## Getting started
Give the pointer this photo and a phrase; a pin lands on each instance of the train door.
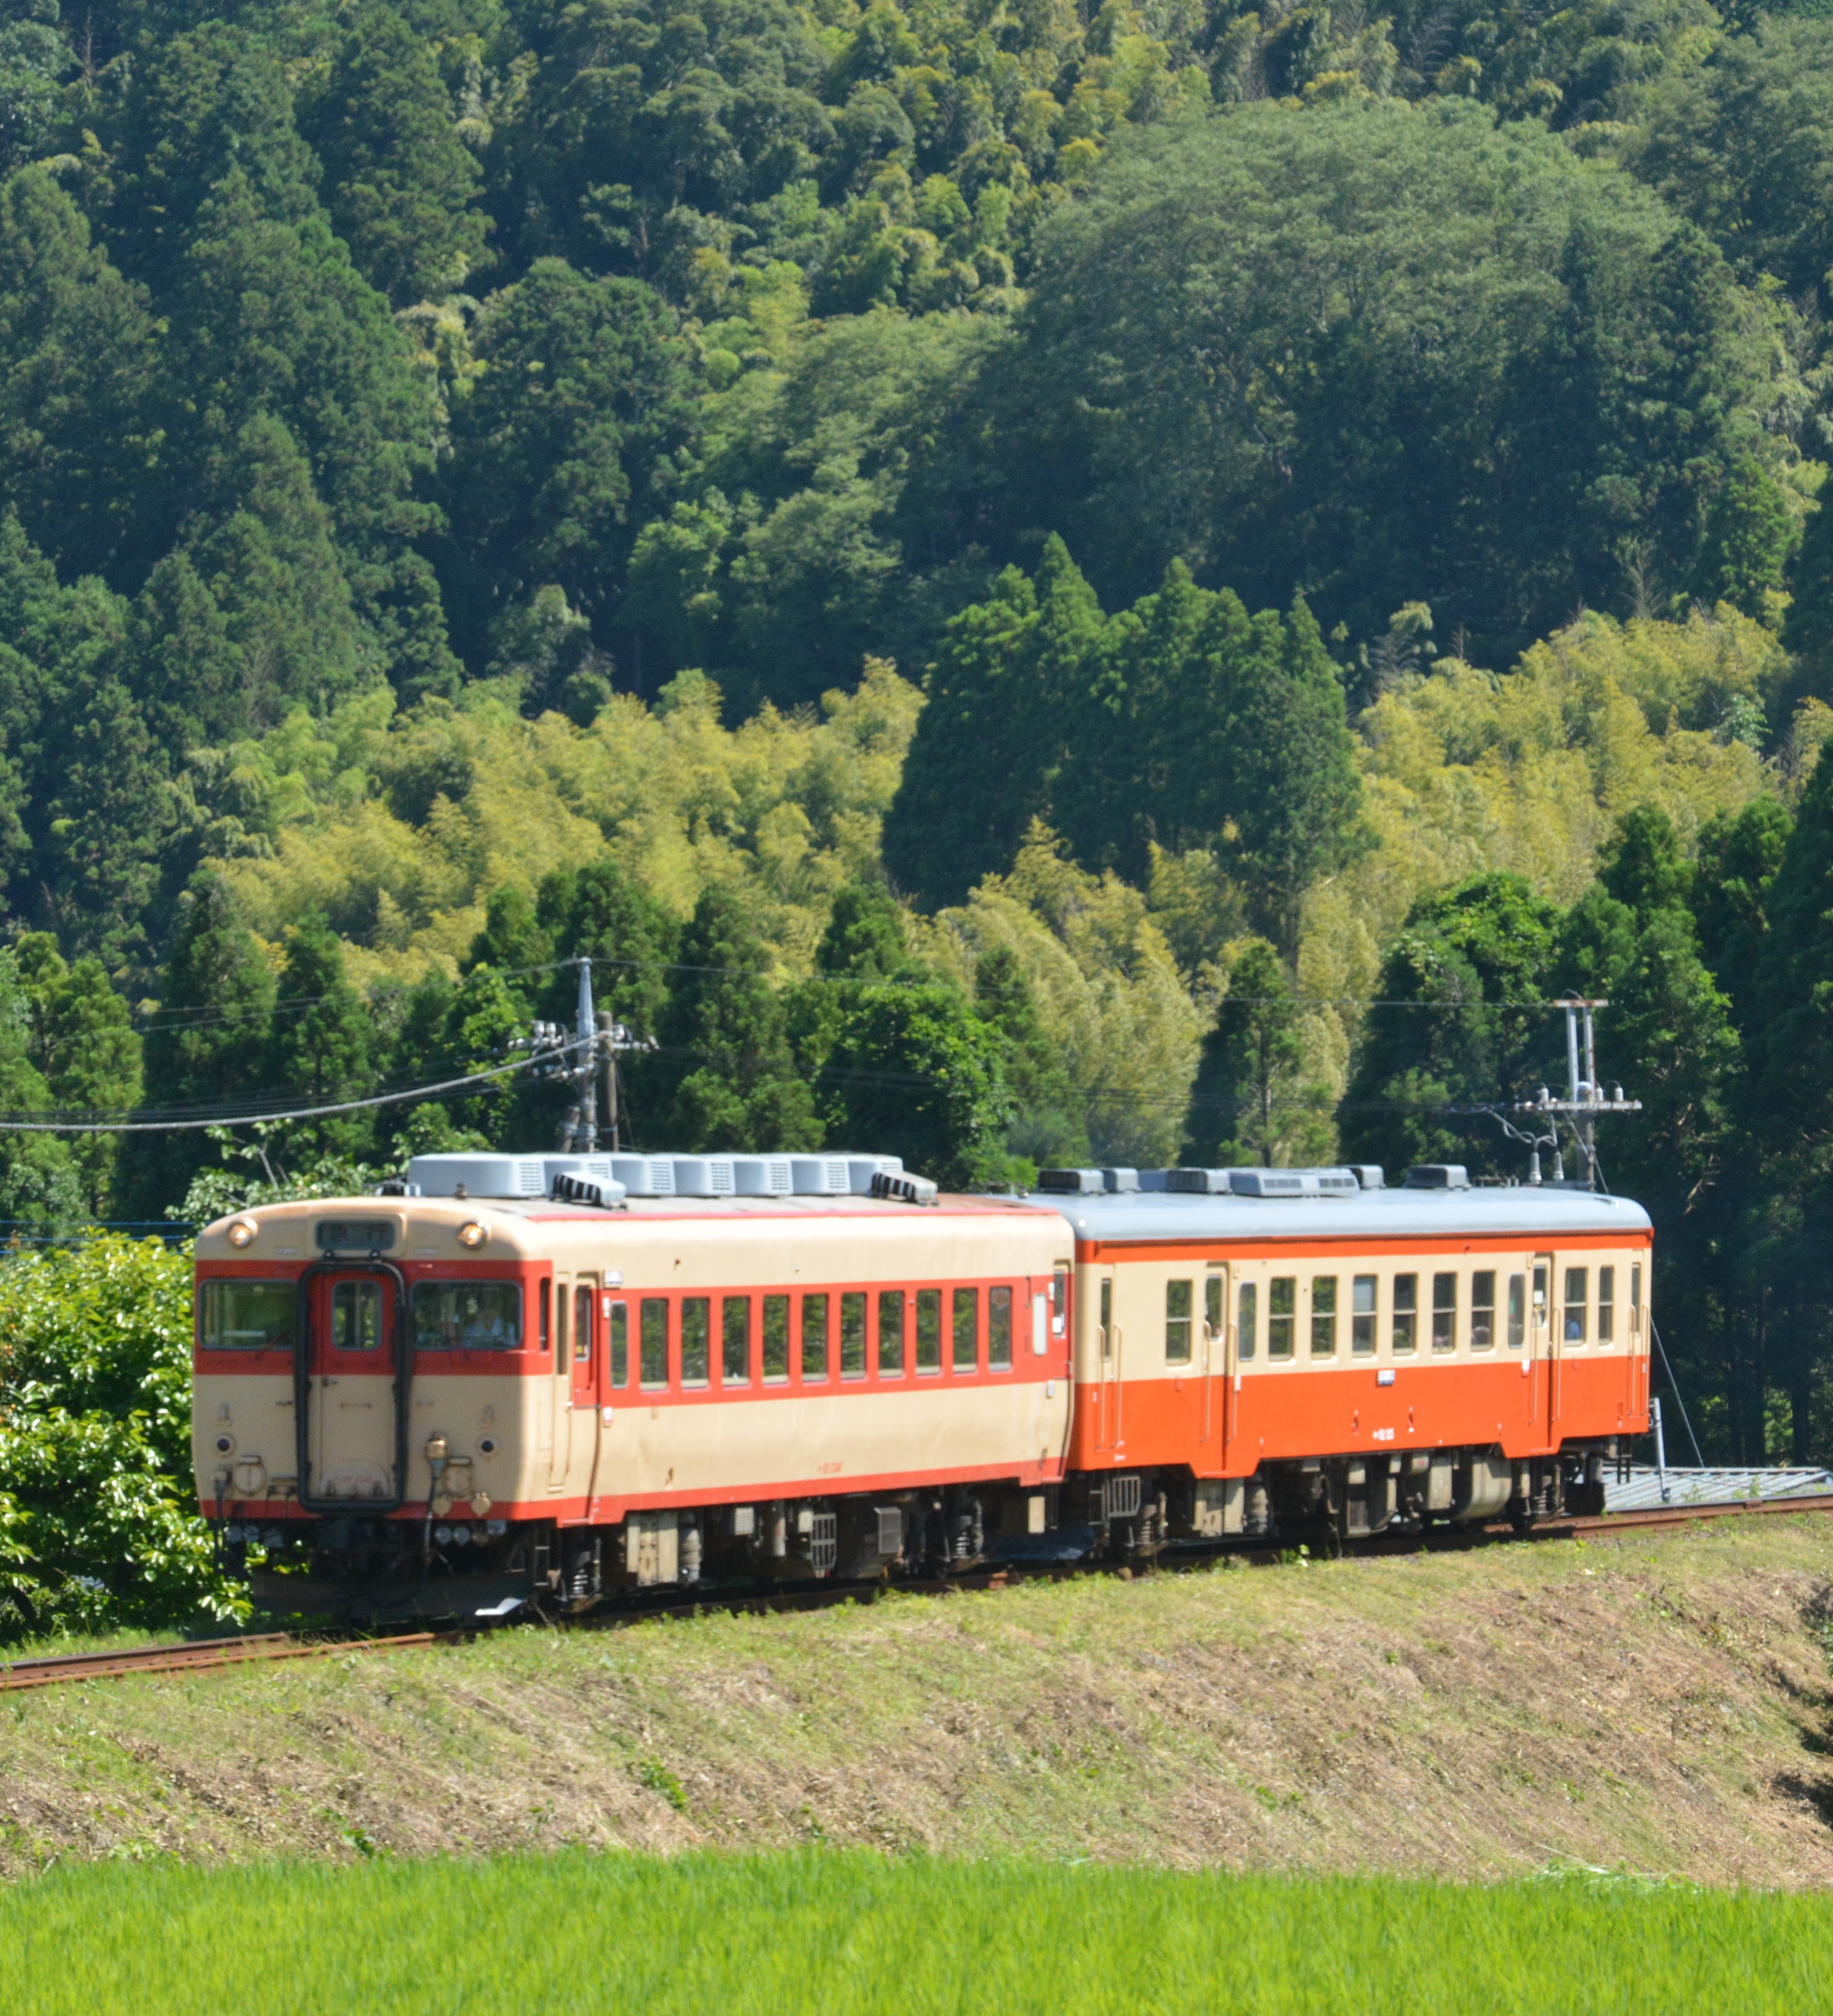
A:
(585, 1394)
(1543, 1338)
(559, 1395)
(1109, 1340)
(350, 1400)
(1210, 1431)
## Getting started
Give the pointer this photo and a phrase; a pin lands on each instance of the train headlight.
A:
(472, 1235)
(461, 1537)
(443, 1535)
(241, 1232)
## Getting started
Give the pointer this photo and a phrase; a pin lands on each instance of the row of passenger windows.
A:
(1439, 1310)
(734, 1340)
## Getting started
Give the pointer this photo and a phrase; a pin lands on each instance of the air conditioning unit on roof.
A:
(479, 1176)
(645, 1176)
(763, 1175)
(704, 1176)
(1071, 1183)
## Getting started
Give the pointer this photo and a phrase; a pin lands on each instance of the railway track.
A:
(207, 1654)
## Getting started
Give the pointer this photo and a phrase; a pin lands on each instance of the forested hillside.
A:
(1031, 582)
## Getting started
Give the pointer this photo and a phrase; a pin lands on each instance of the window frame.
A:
(811, 1298)
(1364, 1323)
(1282, 1322)
(1482, 1309)
(890, 1298)
(1179, 1323)
(647, 1342)
(1582, 1305)
(1247, 1319)
(854, 1305)
(1403, 1315)
(964, 1299)
(728, 1378)
(211, 1285)
(1606, 1324)
(617, 1342)
(999, 1326)
(1444, 1310)
(1323, 1321)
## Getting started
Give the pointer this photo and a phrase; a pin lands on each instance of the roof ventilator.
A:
(890, 1188)
(1438, 1176)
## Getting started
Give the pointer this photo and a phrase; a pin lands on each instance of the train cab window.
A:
(776, 1340)
(652, 1345)
(1606, 1304)
(1212, 1306)
(734, 1341)
(1324, 1316)
(696, 1325)
(618, 1324)
(1247, 1320)
(890, 1333)
(1282, 1303)
(1406, 1326)
(1107, 1322)
(356, 1315)
(1364, 1291)
(247, 1315)
(929, 1330)
(853, 1336)
(544, 1301)
(1444, 1313)
(965, 1355)
(814, 1339)
(1517, 1311)
(1573, 1329)
(1179, 1300)
(1482, 1309)
(467, 1316)
(999, 1329)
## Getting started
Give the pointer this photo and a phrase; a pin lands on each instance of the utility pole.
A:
(1584, 1097)
(574, 1060)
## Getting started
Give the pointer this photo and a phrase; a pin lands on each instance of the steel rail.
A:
(210, 1654)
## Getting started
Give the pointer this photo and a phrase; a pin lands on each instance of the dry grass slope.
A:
(1660, 1703)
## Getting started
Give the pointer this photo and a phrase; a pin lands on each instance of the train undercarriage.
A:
(375, 1569)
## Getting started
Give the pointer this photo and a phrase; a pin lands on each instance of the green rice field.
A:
(846, 1934)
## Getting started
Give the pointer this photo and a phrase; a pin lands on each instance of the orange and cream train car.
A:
(522, 1378)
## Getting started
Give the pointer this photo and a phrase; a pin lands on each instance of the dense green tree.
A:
(865, 937)
(725, 1070)
(1049, 1126)
(1457, 1023)
(79, 444)
(34, 59)
(85, 1047)
(1238, 352)
(557, 447)
(208, 1041)
(1735, 865)
(915, 1072)
(321, 1050)
(1256, 1099)
(601, 913)
(399, 182)
(41, 1185)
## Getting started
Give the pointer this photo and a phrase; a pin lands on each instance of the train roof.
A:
(1533, 1211)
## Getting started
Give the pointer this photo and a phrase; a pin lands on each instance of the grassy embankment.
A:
(844, 1935)
(1659, 1706)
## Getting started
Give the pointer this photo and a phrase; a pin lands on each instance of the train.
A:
(513, 1381)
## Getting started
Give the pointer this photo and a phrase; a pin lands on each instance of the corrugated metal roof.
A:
(1534, 1213)
(1643, 1492)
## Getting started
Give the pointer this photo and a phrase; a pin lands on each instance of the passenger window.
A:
(652, 1325)
(1517, 1311)
(582, 1326)
(929, 1338)
(696, 1325)
(1576, 1299)
(776, 1340)
(734, 1341)
(619, 1327)
(1483, 1310)
(1406, 1332)
(1059, 1302)
(1247, 1305)
(1363, 1292)
(1444, 1313)
(966, 1357)
(1540, 1298)
(853, 1336)
(1324, 1316)
(814, 1339)
(999, 1329)
(1282, 1303)
(1107, 1322)
(890, 1333)
(356, 1315)
(1212, 1306)
(237, 1314)
(1178, 1301)
(1606, 1304)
